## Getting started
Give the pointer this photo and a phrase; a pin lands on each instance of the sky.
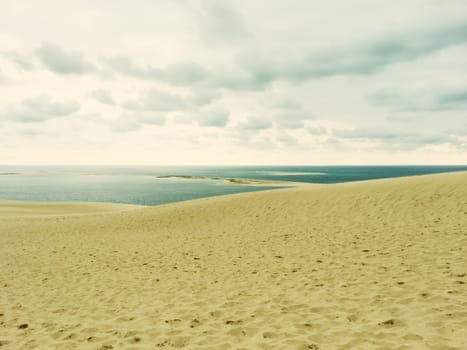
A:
(244, 82)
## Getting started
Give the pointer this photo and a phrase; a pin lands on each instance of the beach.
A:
(375, 264)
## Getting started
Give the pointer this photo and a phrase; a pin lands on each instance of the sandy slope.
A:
(370, 265)
(22, 209)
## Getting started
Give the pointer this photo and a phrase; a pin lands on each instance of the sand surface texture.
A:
(19, 210)
(370, 265)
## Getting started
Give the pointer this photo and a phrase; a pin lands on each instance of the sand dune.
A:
(369, 265)
(22, 209)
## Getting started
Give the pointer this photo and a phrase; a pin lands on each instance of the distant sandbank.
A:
(236, 181)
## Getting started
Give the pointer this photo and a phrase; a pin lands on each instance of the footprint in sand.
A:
(388, 323)
(268, 335)
(173, 321)
(194, 323)
(231, 322)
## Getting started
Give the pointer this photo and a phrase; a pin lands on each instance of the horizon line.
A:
(236, 165)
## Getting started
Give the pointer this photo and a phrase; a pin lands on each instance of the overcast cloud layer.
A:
(233, 82)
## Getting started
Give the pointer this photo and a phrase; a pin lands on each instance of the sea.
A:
(153, 185)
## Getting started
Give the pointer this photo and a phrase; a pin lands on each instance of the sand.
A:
(20, 210)
(368, 265)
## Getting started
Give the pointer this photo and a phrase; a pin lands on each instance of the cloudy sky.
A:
(233, 82)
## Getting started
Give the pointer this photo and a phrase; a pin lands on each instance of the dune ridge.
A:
(370, 265)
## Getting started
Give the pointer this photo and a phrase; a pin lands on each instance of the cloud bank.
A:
(199, 81)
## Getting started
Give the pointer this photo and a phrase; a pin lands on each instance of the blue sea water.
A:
(142, 185)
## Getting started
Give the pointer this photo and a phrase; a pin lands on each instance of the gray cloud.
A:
(217, 117)
(452, 99)
(396, 137)
(255, 123)
(285, 139)
(151, 118)
(316, 130)
(125, 124)
(60, 61)
(256, 71)
(220, 23)
(292, 119)
(365, 58)
(371, 134)
(102, 96)
(157, 100)
(434, 100)
(191, 74)
(40, 109)
(128, 122)
(286, 119)
(178, 74)
(204, 97)
(286, 104)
